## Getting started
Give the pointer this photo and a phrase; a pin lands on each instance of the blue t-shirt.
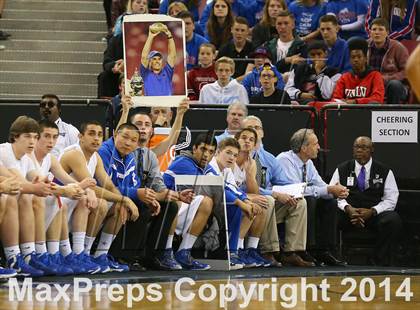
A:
(307, 18)
(346, 12)
(157, 84)
(192, 50)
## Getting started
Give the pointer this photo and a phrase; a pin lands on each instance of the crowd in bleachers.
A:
(56, 180)
(242, 29)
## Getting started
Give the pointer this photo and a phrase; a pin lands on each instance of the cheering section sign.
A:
(394, 126)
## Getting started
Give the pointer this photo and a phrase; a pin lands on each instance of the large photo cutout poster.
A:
(154, 54)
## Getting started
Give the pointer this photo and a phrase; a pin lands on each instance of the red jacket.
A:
(197, 78)
(367, 88)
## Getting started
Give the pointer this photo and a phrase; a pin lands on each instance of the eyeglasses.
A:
(44, 104)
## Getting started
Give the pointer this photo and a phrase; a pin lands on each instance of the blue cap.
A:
(153, 54)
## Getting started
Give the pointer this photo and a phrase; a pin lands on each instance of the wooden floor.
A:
(264, 300)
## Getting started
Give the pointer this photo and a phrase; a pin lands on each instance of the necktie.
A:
(260, 173)
(304, 172)
(361, 179)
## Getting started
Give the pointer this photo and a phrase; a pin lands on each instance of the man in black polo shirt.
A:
(239, 48)
(270, 93)
(372, 198)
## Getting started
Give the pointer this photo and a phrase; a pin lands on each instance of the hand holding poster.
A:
(154, 49)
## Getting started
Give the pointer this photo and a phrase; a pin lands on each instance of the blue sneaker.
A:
(106, 260)
(184, 258)
(6, 273)
(248, 261)
(166, 261)
(255, 254)
(43, 263)
(235, 261)
(90, 266)
(22, 268)
(71, 261)
(57, 261)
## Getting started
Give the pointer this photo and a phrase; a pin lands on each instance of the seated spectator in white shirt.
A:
(224, 90)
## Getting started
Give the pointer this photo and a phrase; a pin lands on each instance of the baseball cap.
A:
(261, 52)
(153, 54)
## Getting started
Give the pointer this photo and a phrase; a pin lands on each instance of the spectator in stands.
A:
(236, 112)
(190, 5)
(362, 85)
(193, 41)
(118, 7)
(400, 15)
(165, 137)
(113, 112)
(307, 14)
(225, 90)
(288, 209)
(413, 72)
(50, 108)
(266, 30)
(239, 48)
(350, 15)
(270, 94)
(297, 167)
(133, 7)
(389, 57)
(287, 51)
(244, 8)
(175, 8)
(113, 65)
(314, 81)
(204, 73)
(371, 201)
(338, 52)
(1, 7)
(156, 75)
(219, 25)
(251, 81)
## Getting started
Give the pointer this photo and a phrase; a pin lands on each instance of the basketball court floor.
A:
(351, 287)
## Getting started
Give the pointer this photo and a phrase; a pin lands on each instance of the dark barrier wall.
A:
(279, 122)
(344, 125)
(71, 113)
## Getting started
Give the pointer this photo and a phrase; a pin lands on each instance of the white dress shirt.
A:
(391, 193)
(68, 135)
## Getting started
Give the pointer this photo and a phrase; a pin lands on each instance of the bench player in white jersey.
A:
(9, 187)
(18, 227)
(82, 161)
(49, 208)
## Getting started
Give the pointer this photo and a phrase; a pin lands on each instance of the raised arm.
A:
(162, 147)
(146, 48)
(171, 48)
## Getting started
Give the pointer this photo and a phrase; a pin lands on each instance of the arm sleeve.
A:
(358, 24)
(341, 203)
(327, 84)
(243, 95)
(290, 87)
(339, 89)
(400, 60)
(317, 187)
(390, 198)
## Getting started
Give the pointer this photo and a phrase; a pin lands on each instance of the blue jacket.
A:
(186, 165)
(399, 28)
(252, 84)
(339, 57)
(122, 171)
